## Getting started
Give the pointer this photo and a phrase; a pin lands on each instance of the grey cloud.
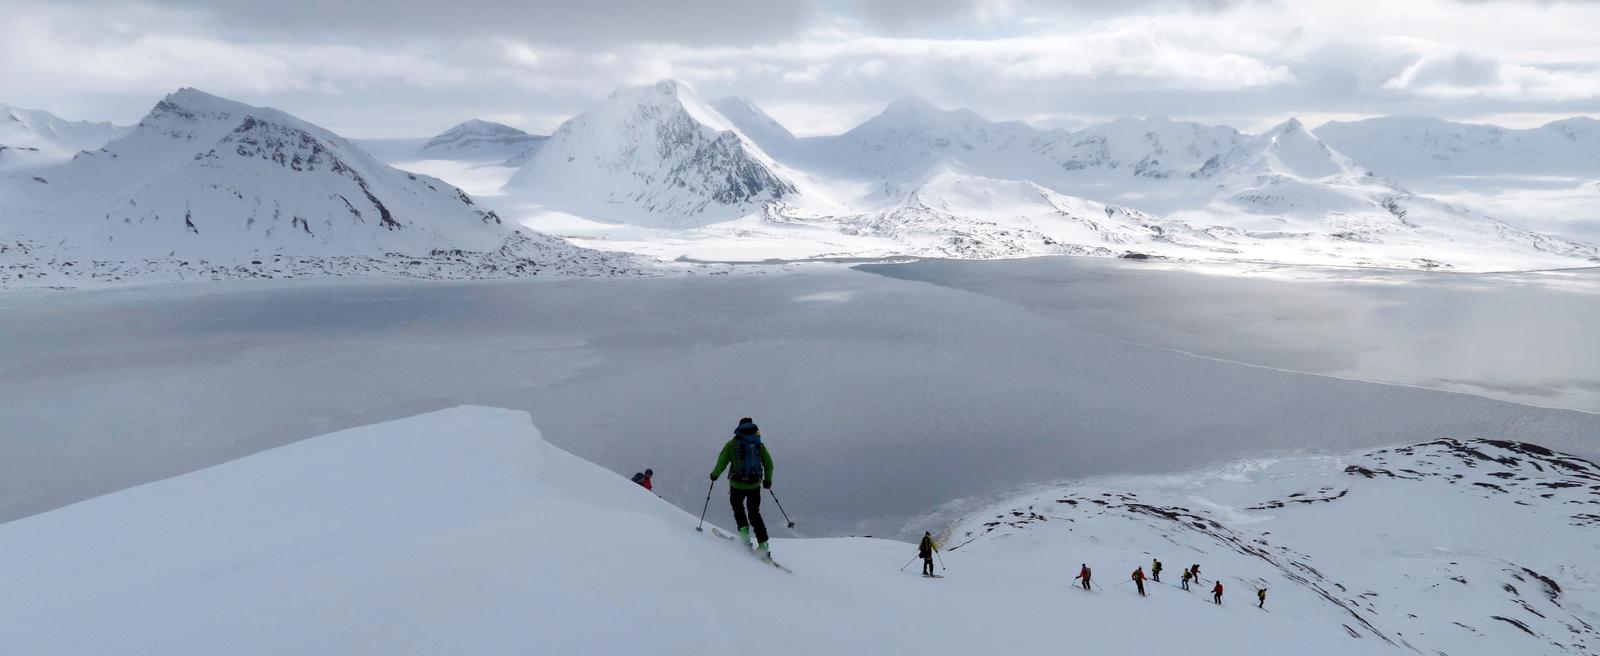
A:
(566, 22)
(901, 15)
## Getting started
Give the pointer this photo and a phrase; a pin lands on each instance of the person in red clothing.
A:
(643, 479)
(1084, 573)
(1138, 580)
(1216, 593)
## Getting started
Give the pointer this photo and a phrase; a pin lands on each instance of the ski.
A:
(765, 559)
(933, 576)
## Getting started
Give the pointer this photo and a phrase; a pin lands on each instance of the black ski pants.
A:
(927, 565)
(747, 510)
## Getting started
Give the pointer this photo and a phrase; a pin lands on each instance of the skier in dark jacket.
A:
(1261, 598)
(751, 470)
(925, 549)
(1084, 573)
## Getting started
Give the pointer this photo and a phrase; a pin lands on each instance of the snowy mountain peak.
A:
(1292, 150)
(477, 139)
(917, 113)
(911, 105)
(195, 106)
(657, 154)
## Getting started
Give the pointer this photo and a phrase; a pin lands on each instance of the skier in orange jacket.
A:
(1138, 580)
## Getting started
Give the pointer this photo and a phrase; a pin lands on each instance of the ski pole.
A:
(706, 507)
(941, 560)
(780, 507)
(908, 564)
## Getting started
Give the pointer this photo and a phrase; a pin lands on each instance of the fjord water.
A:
(882, 397)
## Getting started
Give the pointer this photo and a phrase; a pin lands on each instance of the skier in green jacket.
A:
(751, 470)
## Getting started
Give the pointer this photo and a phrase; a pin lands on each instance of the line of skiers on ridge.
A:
(751, 471)
(1190, 573)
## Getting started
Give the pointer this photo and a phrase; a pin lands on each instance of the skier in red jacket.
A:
(1084, 573)
(1216, 593)
(643, 479)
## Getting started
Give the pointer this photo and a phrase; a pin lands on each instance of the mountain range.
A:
(206, 178)
(217, 188)
(920, 180)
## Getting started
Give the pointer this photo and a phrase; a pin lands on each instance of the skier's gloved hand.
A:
(766, 484)
(713, 477)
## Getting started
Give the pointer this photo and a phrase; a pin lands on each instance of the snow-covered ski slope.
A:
(1450, 547)
(462, 531)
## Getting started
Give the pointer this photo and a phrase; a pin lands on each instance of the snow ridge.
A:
(1413, 146)
(31, 138)
(1419, 574)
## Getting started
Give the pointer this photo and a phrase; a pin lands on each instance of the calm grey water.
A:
(880, 397)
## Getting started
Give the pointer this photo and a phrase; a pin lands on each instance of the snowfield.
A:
(1446, 547)
(462, 531)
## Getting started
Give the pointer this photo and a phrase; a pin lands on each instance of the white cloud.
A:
(826, 64)
(1462, 75)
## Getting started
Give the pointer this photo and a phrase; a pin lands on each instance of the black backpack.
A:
(639, 477)
(746, 459)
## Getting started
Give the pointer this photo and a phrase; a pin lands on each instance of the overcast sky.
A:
(415, 67)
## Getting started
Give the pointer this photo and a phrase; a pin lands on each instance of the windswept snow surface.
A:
(462, 531)
(1447, 547)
